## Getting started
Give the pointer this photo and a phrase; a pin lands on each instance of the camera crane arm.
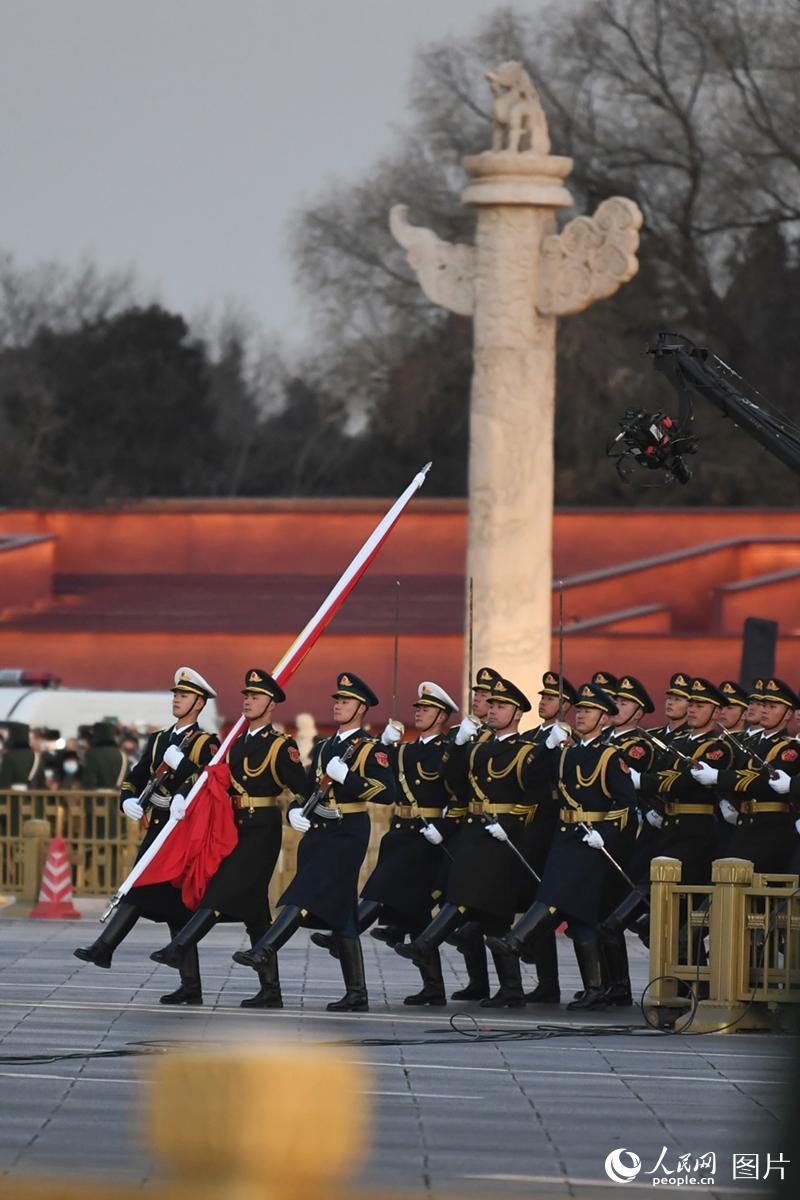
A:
(691, 368)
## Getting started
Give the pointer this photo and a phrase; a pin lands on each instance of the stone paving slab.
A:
(451, 1115)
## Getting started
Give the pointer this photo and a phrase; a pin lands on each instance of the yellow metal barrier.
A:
(732, 947)
(102, 842)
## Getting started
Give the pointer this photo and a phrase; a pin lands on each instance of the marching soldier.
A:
(733, 727)
(483, 883)
(555, 699)
(598, 801)
(263, 765)
(676, 707)
(468, 938)
(763, 831)
(733, 713)
(690, 825)
(184, 749)
(401, 888)
(348, 770)
(625, 732)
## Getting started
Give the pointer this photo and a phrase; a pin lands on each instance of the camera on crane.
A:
(651, 442)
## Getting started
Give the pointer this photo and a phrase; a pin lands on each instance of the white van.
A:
(66, 709)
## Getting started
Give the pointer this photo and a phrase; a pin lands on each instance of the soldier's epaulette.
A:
(197, 745)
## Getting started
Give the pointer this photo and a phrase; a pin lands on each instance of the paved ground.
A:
(495, 1118)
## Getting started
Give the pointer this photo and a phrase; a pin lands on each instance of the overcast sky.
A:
(177, 136)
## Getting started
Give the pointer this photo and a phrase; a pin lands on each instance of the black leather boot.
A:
(474, 952)
(624, 916)
(618, 980)
(510, 993)
(587, 952)
(114, 931)
(545, 956)
(511, 943)
(269, 994)
(432, 992)
(191, 990)
(177, 952)
(276, 936)
(367, 914)
(421, 949)
(352, 960)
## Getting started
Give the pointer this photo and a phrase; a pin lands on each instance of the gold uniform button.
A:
(416, 781)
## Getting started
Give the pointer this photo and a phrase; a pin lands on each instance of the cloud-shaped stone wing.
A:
(445, 270)
(591, 258)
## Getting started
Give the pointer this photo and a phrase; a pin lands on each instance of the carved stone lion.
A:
(519, 120)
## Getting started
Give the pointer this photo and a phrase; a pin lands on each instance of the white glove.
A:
(729, 813)
(636, 778)
(173, 757)
(555, 737)
(132, 809)
(432, 835)
(298, 821)
(391, 735)
(336, 769)
(797, 824)
(593, 839)
(469, 728)
(655, 819)
(781, 782)
(497, 831)
(705, 774)
(177, 808)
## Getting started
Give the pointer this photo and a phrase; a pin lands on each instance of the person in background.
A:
(22, 768)
(106, 764)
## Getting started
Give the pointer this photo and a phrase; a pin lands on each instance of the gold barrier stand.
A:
(242, 1122)
(729, 953)
(665, 875)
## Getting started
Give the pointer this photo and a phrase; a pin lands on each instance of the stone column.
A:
(516, 280)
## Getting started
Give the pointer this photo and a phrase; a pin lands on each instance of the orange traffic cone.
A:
(55, 894)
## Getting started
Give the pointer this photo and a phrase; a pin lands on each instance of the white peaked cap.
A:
(431, 693)
(189, 680)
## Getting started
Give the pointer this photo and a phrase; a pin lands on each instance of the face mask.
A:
(70, 767)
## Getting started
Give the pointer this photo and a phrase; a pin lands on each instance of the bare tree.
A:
(58, 297)
(690, 108)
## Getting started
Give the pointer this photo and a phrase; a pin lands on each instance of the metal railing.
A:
(102, 842)
(724, 956)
